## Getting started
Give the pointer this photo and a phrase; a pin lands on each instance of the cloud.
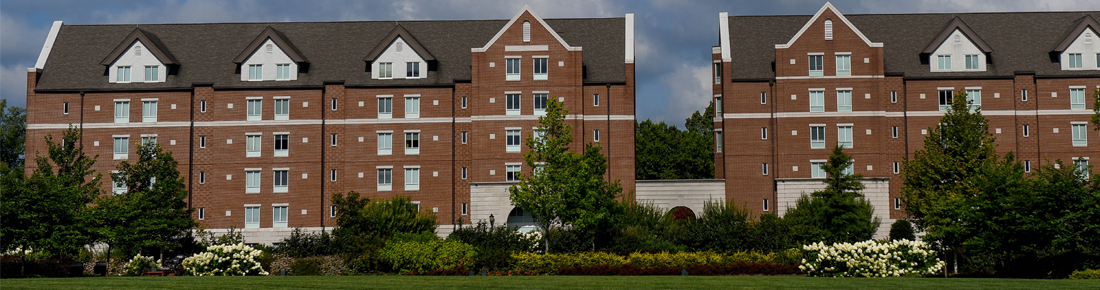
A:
(689, 91)
(13, 84)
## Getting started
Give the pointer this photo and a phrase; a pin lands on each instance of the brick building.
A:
(267, 120)
(792, 87)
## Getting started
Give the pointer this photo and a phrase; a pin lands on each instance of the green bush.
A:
(1085, 274)
(302, 244)
(902, 229)
(310, 266)
(495, 245)
(551, 263)
(438, 254)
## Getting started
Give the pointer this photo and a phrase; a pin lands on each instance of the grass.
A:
(539, 282)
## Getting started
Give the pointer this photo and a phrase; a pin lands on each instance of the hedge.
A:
(552, 263)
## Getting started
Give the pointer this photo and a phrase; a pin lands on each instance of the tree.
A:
(838, 213)
(663, 151)
(381, 219)
(47, 212)
(152, 214)
(13, 135)
(565, 187)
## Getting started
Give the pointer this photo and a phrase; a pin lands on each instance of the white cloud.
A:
(689, 91)
(13, 84)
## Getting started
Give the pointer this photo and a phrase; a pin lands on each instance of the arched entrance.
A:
(680, 213)
(522, 219)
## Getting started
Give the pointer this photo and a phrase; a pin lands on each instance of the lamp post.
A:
(492, 220)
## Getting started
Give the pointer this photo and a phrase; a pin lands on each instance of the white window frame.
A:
(595, 100)
(412, 178)
(253, 144)
(844, 65)
(897, 167)
(465, 136)
(718, 106)
(282, 108)
(412, 106)
(767, 206)
(894, 97)
(817, 101)
(122, 74)
(817, 170)
(463, 102)
(202, 213)
(149, 111)
(332, 211)
(1080, 134)
(385, 179)
(897, 203)
(412, 142)
(1077, 98)
(335, 103)
(122, 111)
(717, 73)
(281, 152)
(1027, 165)
(332, 175)
(540, 62)
(974, 98)
(511, 172)
(1026, 130)
(512, 104)
(844, 101)
(465, 173)
(334, 139)
(117, 187)
(596, 135)
(282, 72)
(202, 177)
(817, 137)
(385, 143)
(512, 140)
(844, 136)
(1081, 166)
(202, 106)
(385, 70)
(252, 181)
(816, 65)
(946, 98)
(512, 68)
(256, 72)
(412, 69)
(764, 168)
(202, 141)
(1075, 60)
(717, 141)
(121, 147)
(973, 62)
(284, 175)
(465, 208)
(538, 102)
(943, 62)
(894, 131)
(279, 216)
(385, 107)
(763, 133)
(252, 217)
(763, 98)
(1023, 95)
(152, 73)
(255, 108)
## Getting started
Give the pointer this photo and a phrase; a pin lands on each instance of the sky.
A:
(673, 37)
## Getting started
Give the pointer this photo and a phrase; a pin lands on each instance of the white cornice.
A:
(513, 21)
(828, 6)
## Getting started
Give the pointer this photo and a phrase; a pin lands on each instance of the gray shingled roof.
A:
(335, 51)
(1020, 41)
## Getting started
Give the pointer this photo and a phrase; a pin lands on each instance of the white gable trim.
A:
(509, 25)
(629, 38)
(48, 46)
(724, 35)
(838, 15)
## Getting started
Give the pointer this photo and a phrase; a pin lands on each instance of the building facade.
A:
(268, 120)
(792, 87)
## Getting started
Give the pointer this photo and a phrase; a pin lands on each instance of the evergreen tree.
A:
(838, 213)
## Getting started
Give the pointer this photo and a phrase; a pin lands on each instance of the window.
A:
(817, 101)
(974, 98)
(1027, 165)
(279, 217)
(282, 180)
(148, 140)
(511, 173)
(1023, 95)
(464, 173)
(512, 104)
(717, 73)
(894, 96)
(252, 181)
(123, 74)
(766, 205)
(255, 72)
(1074, 61)
(828, 29)
(202, 177)
(512, 65)
(1079, 135)
(412, 69)
(385, 107)
(118, 186)
(816, 170)
(202, 141)
(202, 106)
(251, 217)
(282, 109)
(540, 68)
(385, 143)
(526, 31)
(412, 143)
(332, 175)
(843, 101)
(972, 61)
(464, 136)
(817, 137)
(282, 71)
(385, 70)
(65, 108)
(763, 98)
(282, 145)
(717, 141)
(844, 65)
(718, 106)
(849, 170)
(465, 208)
(897, 167)
(894, 131)
(844, 136)
(412, 107)
(763, 133)
(596, 100)
(252, 146)
(512, 140)
(1026, 130)
(152, 73)
(944, 62)
(334, 103)
(122, 146)
(412, 178)
(332, 211)
(596, 135)
(540, 104)
(463, 102)
(1077, 99)
(897, 203)
(764, 168)
(148, 111)
(255, 109)
(815, 65)
(539, 134)
(202, 213)
(385, 179)
(334, 138)
(122, 112)
(1081, 165)
(946, 98)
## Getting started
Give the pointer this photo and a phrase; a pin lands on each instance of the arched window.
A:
(400, 47)
(526, 31)
(270, 48)
(137, 50)
(828, 29)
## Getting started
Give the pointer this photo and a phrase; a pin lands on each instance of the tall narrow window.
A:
(1026, 130)
(333, 140)
(152, 73)
(385, 143)
(385, 179)
(122, 112)
(279, 217)
(541, 68)
(1027, 165)
(202, 106)
(465, 208)
(817, 137)
(282, 181)
(332, 175)
(464, 136)
(596, 135)
(816, 65)
(767, 206)
(334, 103)
(972, 61)
(385, 70)
(255, 108)
(816, 170)
(282, 109)
(512, 140)
(202, 141)
(282, 145)
(596, 100)
(412, 69)
(512, 67)
(946, 98)
(1075, 60)
(255, 72)
(763, 133)
(282, 71)
(1023, 95)
(897, 203)
(526, 31)
(828, 29)
(202, 177)
(717, 141)
(122, 74)
(944, 62)
(817, 101)
(894, 131)
(253, 145)
(511, 104)
(893, 96)
(844, 136)
(844, 65)
(763, 98)
(464, 173)
(252, 217)
(1081, 165)
(718, 106)
(412, 178)
(974, 98)
(412, 107)
(385, 107)
(717, 73)
(897, 167)
(149, 111)
(412, 143)
(843, 101)
(122, 147)
(764, 168)
(511, 173)
(332, 211)
(540, 103)
(202, 213)
(1080, 136)
(463, 102)
(252, 181)
(118, 186)
(1077, 99)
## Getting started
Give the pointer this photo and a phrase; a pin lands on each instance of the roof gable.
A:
(1082, 24)
(828, 6)
(387, 41)
(152, 44)
(526, 9)
(276, 37)
(957, 24)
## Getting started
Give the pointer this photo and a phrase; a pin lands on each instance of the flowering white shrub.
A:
(225, 260)
(870, 259)
(139, 263)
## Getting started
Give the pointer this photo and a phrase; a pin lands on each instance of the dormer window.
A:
(385, 70)
(138, 52)
(527, 31)
(957, 49)
(828, 29)
(152, 73)
(282, 72)
(944, 62)
(270, 57)
(1075, 60)
(123, 74)
(255, 72)
(412, 69)
(399, 56)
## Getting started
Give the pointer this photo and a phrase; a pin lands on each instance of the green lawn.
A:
(542, 282)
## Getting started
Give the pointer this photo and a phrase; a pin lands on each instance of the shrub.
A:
(870, 259)
(902, 229)
(225, 260)
(423, 257)
(1085, 274)
(310, 266)
(280, 262)
(552, 263)
(302, 244)
(739, 268)
(358, 217)
(139, 263)
(495, 245)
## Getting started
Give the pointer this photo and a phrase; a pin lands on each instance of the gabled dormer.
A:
(828, 46)
(957, 49)
(140, 58)
(270, 57)
(1079, 49)
(399, 56)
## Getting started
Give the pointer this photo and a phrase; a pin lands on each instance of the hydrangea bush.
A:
(225, 260)
(870, 259)
(139, 263)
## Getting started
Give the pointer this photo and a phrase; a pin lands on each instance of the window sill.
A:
(385, 188)
(412, 115)
(412, 151)
(120, 156)
(251, 225)
(281, 153)
(540, 77)
(279, 189)
(512, 112)
(412, 187)
(252, 190)
(282, 117)
(252, 154)
(279, 225)
(254, 118)
(386, 152)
